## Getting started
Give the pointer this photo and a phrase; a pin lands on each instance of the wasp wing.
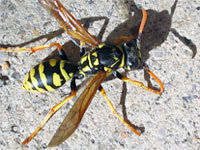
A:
(69, 23)
(73, 118)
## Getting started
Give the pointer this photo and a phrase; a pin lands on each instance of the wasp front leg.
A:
(137, 36)
(140, 84)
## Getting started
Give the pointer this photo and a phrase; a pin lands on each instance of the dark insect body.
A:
(102, 61)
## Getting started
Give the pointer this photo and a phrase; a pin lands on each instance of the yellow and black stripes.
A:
(49, 75)
(89, 62)
(52, 74)
(105, 57)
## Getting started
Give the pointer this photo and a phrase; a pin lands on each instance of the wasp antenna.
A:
(143, 22)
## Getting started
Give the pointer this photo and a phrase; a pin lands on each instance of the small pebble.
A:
(36, 32)
(14, 128)
(124, 135)
(5, 65)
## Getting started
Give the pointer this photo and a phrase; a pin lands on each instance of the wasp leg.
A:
(146, 68)
(102, 91)
(82, 48)
(142, 24)
(124, 38)
(52, 111)
(140, 84)
(33, 49)
(141, 28)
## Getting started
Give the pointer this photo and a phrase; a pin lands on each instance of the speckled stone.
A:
(170, 46)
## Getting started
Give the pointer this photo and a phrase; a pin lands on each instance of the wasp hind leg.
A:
(52, 111)
(102, 91)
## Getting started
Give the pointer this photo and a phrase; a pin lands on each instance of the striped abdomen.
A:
(49, 75)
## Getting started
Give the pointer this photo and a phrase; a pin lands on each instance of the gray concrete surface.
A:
(171, 121)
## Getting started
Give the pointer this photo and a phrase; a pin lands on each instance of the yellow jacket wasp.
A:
(102, 61)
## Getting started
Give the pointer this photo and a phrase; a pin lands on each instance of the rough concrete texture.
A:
(170, 46)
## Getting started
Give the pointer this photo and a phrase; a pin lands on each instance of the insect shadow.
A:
(156, 30)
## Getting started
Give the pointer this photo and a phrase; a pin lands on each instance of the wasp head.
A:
(132, 55)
